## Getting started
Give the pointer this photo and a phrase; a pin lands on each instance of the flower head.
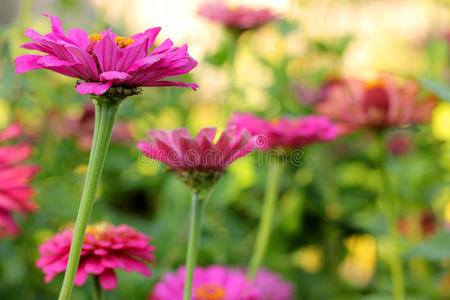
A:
(285, 132)
(198, 160)
(239, 17)
(272, 287)
(104, 60)
(381, 103)
(105, 248)
(211, 283)
(15, 177)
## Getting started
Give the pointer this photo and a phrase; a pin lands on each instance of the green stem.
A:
(198, 204)
(105, 115)
(389, 207)
(265, 225)
(97, 293)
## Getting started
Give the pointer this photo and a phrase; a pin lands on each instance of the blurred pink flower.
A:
(285, 132)
(104, 60)
(15, 177)
(105, 248)
(214, 282)
(375, 104)
(179, 150)
(272, 287)
(239, 17)
(83, 128)
(399, 143)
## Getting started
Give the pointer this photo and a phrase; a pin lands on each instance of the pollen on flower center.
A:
(95, 37)
(97, 229)
(210, 292)
(123, 42)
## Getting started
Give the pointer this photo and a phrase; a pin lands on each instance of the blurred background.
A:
(327, 221)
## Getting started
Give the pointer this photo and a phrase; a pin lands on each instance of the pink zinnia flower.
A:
(105, 248)
(239, 17)
(15, 177)
(198, 161)
(285, 132)
(104, 60)
(211, 283)
(375, 104)
(272, 287)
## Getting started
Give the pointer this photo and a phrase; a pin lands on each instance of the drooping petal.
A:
(114, 76)
(108, 279)
(96, 88)
(194, 86)
(52, 61)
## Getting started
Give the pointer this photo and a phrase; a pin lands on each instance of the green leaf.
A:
(435, 248)
(441, 90)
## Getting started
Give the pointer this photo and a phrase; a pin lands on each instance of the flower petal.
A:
(79, 37)
(108, 53)
(25, 63)
(194, 86)
(96, 88)
(114, 76)
(108, 279)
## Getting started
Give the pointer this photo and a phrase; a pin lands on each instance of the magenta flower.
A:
(239, 17)
(272, 287)
(105, 248)
(104, 60)
(285, 132)
(197, 157)
(382, 103)
(211, 283)
(15, 177)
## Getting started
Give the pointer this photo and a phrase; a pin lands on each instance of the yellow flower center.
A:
(95, 37)
(210, 292)
(274, 121)
(372, 84)
(97, 229)
(121, 41)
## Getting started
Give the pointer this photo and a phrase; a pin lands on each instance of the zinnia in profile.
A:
(104, 60)
(15, 177)
(239, 17)
(214, 282)
(105, 249)
(382, 103)
(284, 138)
(290, 133)
(198, 161)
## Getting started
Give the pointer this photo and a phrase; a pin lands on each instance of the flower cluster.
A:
(239, 17)
(104, 60)
(221, 283)
(105, 248)
(15, 177)
(381, 103)
(285, 132)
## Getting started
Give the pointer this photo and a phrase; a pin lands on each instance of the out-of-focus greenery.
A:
(327, 218)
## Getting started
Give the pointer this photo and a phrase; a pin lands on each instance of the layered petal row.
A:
(104, 60)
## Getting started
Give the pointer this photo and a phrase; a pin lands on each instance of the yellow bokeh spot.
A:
(359, 265)
(447, 212)
(440, 123)
(4, 113)
(308, 258)
(147, 166)
(243, 172)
